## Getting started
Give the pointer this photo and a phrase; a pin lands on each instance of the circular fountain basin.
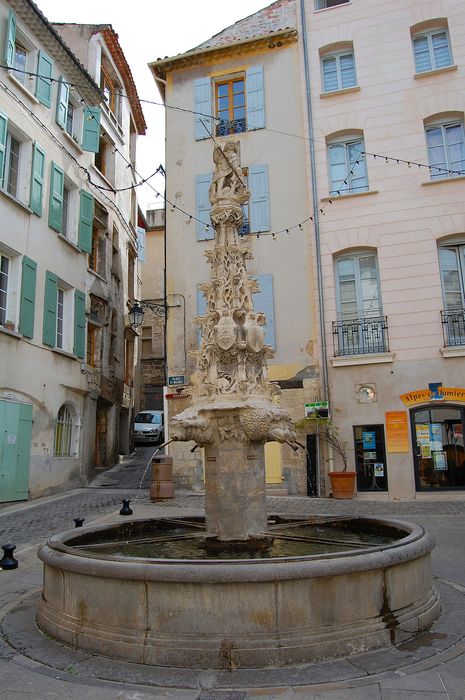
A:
(159, 592)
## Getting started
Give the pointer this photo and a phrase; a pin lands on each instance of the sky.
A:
(147, 31)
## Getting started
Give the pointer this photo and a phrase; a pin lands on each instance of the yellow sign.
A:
(424, 396)
(397, 431)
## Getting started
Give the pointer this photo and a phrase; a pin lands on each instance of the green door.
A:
(15, 450)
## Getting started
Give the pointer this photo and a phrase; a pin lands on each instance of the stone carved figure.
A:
(228, 179)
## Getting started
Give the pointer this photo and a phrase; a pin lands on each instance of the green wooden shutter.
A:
(62, 103)
(91, 130)
(86, 215)
(79, 324)
(202, 108)
(44, 84)
(202, 207)
(3, 138)
(55, 209)
(259, 204)
(28, 297)
(37, 179)
(10, 40)
(23, 451)
(50, 309)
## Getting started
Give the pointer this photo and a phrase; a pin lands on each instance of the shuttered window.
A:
(55, 210)
(202, 108)
(86, 215)
(91, 130)
(50, 309)
(202, 205)
(79, 324)
(28, 297)
(44, 83)
(37, 179)
(259, 203)
(10, 40)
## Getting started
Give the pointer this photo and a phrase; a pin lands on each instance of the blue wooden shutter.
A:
(62, 103)
(79, 324)
(91, 130)
(28, 297)
(141, 243)
(86, 216)
(55, 209)
(44, 84)
(50, 309)
(201, 311)
(263, 301)
(255, 98)
(202, 107)
(202, 207)
(3, 139)
(10, 40)
(259, 203)
(37, 179)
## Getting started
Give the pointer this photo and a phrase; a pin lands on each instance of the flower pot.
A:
(342, 484)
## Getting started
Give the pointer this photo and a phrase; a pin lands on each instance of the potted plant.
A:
(9, 325)
(342, 482)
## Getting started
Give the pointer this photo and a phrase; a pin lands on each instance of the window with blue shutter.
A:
(91, 130)
(50, 309)
(28, 297)
(79, 348)
(202, 108)
(202, 207)
(86, 216)
(10, 40)
(44, 83)
(3, 142)
(62, 103)
(263, 302)
(37, 179)
(259, 203)
(55, 209)
(201, 311)
(255, 98)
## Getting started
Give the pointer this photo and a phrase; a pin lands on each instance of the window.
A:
(104, 158)
(12, 159)
(237, 101)
(322, 4)
(452, 266)
(446, 149)
(4, 273)
(146, 341)
(230, 106)
(432, 50)
(95, 332)
(361, 327)
(60, 317)
(20, 62)
(70, 116)
(110, 87)
(97, 257)
(64, 433)
(131, 273)
(338, 71)
(347, 167)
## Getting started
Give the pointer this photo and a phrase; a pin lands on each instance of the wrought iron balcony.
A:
(233, 126)
(360, 336)
(453, 326)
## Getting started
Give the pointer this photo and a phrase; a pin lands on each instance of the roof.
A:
(58, 49)
(111, 40)
(279, 15)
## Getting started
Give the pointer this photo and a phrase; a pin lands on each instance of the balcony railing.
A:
(360, 336)
(453, 326)
(233, 126)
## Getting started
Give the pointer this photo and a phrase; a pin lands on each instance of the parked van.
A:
(149, 427)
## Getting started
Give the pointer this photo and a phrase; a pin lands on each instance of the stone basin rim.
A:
(56, 553)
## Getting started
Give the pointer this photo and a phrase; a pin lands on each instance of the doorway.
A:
(15, 450)
(438, 447)
(312, 467)
(370, 458)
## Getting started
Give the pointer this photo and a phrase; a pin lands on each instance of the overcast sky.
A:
(147, 31)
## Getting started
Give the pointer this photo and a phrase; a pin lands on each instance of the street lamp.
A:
(136, 315)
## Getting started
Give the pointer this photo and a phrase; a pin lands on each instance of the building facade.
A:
(66, 242)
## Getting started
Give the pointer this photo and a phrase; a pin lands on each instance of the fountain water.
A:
(238, 589)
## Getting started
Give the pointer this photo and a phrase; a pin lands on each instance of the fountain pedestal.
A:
(235, 490)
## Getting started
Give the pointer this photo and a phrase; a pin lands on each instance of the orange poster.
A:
(397, 431)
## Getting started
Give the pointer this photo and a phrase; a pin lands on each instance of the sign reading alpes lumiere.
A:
(435, 392)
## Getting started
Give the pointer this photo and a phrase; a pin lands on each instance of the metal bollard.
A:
(126, 510)
(8, 561)
(78, 522)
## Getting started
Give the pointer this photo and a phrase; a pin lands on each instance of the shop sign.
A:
(177, 380)
(318, 409)
(439, 393)
(397, 431)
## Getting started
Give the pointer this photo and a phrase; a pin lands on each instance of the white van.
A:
(149, 427)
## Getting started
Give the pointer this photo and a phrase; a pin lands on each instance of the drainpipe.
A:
(316, 208)
(316, 221)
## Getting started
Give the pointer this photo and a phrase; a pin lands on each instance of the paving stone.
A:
(411, 695)
(454, 686)
(367, 692)
(424, 681)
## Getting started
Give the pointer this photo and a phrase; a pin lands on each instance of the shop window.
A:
(438, 444)
(370, 458)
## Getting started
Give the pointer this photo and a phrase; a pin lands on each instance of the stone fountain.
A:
(238, 588)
